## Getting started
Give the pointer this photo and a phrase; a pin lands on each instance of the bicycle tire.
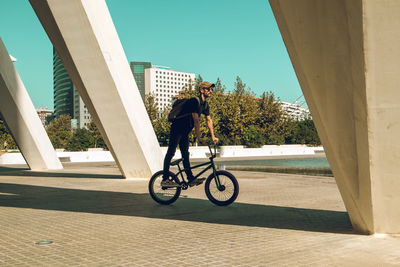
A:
(164, 196)
(230, 190)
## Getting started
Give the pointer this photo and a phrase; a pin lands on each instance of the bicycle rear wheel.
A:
(226, 192)
(163, 195)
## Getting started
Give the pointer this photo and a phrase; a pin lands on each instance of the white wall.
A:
(195, 153)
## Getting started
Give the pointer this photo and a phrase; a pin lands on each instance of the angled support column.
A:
(346, 56)
(22, 120)
(85, 38)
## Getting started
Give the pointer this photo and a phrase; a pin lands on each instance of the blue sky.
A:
(214, 38)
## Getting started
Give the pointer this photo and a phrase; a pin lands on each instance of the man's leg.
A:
(174, 138)
(184, 147)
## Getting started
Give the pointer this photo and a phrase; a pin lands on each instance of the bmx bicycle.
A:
(221, 187)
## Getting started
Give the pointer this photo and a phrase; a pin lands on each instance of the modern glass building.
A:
(137, 69)
(63, 89)
(66, 97)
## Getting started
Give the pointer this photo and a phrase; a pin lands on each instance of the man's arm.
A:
(211, 127)
(196, 126)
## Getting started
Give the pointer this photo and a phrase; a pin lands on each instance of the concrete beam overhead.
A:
(345, 54)
(20, 115)
(85, 38)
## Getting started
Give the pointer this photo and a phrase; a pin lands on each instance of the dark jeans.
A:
(179, 134)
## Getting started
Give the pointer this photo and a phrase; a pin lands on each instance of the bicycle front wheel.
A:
(225, 191)
(163, 195)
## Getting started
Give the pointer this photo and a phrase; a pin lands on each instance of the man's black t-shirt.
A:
(192, 106)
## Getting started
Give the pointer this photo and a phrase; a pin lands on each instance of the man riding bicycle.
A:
(182, 126)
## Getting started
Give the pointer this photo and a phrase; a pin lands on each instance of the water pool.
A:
(293, 162)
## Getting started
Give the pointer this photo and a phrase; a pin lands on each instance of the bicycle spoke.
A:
(223, 193)
(163, 195)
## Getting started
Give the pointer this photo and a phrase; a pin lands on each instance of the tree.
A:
(98, 140)
(49, 119)
(159, 120)
(239, 117)
(81, 140)
(197, 82)
(252, 137)
(217, 103)
(59, 131)
(6, 139)
(162, 127)
(151, 107)
(272, 120)
(236, 112)
(303, 132)
(219, 88)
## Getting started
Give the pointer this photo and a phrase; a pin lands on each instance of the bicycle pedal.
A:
(197, 182)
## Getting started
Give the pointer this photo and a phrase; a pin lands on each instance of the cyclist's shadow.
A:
(185, 209)
(256, 215)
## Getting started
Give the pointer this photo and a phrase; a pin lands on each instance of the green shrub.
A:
(252, 137)
(81, 140)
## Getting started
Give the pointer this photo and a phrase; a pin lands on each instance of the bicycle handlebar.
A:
(215, 149)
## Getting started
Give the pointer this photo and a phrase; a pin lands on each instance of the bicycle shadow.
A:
(185, 209)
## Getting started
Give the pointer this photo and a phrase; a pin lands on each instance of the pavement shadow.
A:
(186, 209)
(25, 171)
(12, 169)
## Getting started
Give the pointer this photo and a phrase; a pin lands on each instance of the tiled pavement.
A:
(95, 218)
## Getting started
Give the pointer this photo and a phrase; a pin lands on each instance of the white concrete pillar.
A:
(85, 38)
(22, 120)
(346, 56)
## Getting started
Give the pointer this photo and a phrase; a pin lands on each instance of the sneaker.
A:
(169, 183)
(194, 181)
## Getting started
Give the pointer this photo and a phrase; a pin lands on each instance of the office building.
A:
(63, 88)
(43, 113)
(67, 100)
(138, 72)
(81, 113)
(165, 83)
(295, 111)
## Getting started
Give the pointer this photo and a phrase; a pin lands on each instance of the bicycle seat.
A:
(176, 162)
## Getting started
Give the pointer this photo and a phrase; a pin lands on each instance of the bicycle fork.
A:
(216, 178)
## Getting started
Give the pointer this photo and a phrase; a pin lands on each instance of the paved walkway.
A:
(95, 218)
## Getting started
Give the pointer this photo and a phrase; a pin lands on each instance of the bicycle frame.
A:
(210, 164)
